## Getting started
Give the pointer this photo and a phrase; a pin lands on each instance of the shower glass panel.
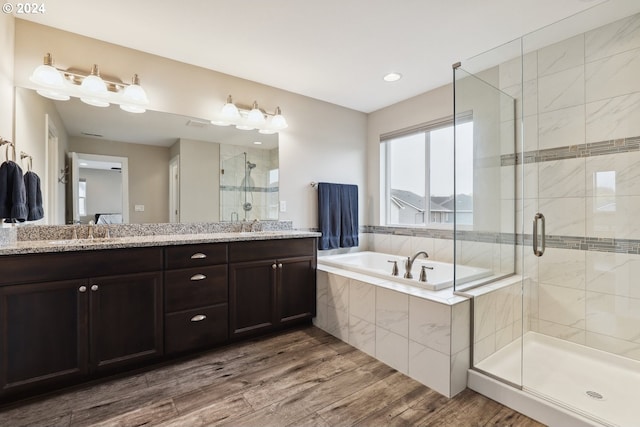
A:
(484, 180)
(485, 146)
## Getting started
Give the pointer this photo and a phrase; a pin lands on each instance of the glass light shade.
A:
(278, 122)
(135, 93)
(220, 123)
(46, 75)
(244, 127)
(53, 94)
(230, 111)
(267, 131)
(255, 117)
(94, 88)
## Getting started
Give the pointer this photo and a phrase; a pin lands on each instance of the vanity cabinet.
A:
(196, 294)
(271, 284)
(83, 320)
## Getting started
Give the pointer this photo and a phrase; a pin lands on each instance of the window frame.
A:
(426, 129)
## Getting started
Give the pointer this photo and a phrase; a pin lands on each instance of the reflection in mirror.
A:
(99, 189)
(175, 163)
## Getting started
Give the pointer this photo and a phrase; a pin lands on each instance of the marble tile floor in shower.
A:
(302, 377)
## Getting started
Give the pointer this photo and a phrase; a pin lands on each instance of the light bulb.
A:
(135, 97)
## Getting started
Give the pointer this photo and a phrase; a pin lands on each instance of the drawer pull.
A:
(198, 318)
(94, 288)
(196, 277)
(82, 288)
(274, 266)
(198, 255)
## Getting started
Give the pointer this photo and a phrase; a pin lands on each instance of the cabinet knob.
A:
(198, 255)
(82, 288)
(274, 266)
(280, 265)
(94, 287)
(198, 318)
(196, 277)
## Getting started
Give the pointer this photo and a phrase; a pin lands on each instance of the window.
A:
(417, 166)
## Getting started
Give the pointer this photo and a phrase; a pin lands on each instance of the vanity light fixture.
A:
(52, 82)
(250, 118)
(91, 88)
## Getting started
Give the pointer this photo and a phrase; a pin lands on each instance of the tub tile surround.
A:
(425, 335)
(581, 165)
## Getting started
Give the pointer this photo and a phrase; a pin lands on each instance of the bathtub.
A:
(376, 264)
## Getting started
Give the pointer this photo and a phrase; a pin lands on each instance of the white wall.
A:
(6, 76)
(323, 141)
(429, 106)
(106, 183)
(199, 181)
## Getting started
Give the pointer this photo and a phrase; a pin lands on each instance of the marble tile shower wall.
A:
(581, 167)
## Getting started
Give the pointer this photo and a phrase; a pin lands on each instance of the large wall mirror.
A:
(178, 168)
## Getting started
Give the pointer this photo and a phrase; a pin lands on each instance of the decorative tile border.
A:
(251, 189)
(623, 145)
(595, 244)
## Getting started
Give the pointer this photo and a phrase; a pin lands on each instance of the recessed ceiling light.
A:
(392, 77)
(257, 142)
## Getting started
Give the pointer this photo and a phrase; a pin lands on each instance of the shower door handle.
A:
(538, 252)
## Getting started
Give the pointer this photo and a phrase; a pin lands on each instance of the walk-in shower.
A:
(557, 116)
(249, 184)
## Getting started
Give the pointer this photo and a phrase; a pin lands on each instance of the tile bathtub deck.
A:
(302, 377)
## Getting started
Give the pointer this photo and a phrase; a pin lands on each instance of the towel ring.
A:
(23, 156)
(13, 149)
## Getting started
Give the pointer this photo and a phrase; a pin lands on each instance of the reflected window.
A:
(604, 184)
(418, 166)
(82, 197)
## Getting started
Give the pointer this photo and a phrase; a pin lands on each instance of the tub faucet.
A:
(409, 263)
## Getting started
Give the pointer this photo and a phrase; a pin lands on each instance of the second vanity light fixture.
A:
(249, 118)
(91, 88)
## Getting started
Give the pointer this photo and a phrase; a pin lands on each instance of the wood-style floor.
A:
(302, 377)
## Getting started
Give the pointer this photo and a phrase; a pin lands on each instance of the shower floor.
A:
(596, 384)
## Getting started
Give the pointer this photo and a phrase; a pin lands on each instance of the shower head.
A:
(250, 165)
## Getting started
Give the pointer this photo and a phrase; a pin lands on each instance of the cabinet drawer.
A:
(195, 287)
(47, 267)
(195, 255)
(199, 328)
(271, 249)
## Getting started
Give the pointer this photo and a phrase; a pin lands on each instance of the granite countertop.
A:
(70, 245)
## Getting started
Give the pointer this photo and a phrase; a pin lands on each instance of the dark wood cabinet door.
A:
(44, 334)
(125, 319)
(296, 289)
(252, 297)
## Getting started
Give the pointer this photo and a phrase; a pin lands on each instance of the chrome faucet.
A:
(90, 232)
(409, 263)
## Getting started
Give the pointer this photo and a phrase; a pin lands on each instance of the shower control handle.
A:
(538, 252)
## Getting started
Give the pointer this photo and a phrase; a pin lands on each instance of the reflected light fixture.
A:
(91, 88)
(392, 77)
(250, 118)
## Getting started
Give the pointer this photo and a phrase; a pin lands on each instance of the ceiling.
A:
(333, 50)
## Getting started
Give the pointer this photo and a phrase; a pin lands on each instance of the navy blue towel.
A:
(34, 196)
(13, 197)
(337, 215)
